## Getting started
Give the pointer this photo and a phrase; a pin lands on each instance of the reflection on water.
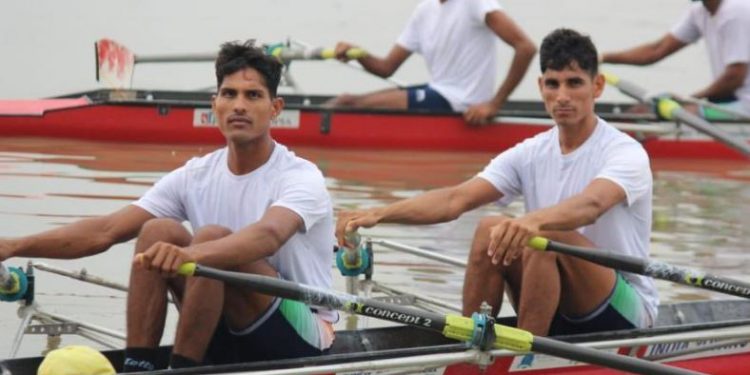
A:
(700, 214)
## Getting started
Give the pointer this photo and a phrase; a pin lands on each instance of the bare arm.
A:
(256, 241)
(381, 67)
(645, 54)
(510, 33)
(434, 206)
(82, 238)
(581, 209)
(510, 237)
(727, 83)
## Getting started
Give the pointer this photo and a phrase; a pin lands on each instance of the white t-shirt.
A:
(727, 35)
(205, 192)
(459, 48)
(537, 169)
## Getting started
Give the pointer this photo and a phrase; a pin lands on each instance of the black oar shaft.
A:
(431, 321)
(686, 276)
(655, 269)
(330, 299)
(605, 258)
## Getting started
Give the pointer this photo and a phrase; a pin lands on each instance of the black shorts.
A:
(426, 98)
(622, 309)
(273, 339)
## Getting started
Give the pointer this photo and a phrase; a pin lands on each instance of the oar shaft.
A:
(651, 268)
(619, 362)
(710, 129)
(671, 110)
(332, 300)
(284, 54)
(457, 327)
(191, 57)
(686, 276)
(605, 258)
(632, 90)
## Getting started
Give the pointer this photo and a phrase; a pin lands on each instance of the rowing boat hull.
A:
(186, 118)
(394, 347)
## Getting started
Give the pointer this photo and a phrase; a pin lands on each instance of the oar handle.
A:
(187, 269)
(605, 258)
(351, 53)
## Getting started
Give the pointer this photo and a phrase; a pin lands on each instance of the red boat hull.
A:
(165, 123)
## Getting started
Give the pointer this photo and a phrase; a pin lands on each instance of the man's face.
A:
(569, 94)
(244, 107)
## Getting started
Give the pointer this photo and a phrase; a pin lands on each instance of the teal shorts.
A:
(723, 111)
(623, 309)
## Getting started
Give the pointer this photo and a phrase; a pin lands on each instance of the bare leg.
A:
(552, 282)
(205, 300)
(483, 280)
(147, 299)
(585, 285)
(540, 291)
(201, 307)
(242, 305)
(384, 99)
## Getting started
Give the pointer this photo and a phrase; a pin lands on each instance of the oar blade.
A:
(114, 64)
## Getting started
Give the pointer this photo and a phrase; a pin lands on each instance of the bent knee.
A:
(165, 230)
(210, 233)
(533, 257)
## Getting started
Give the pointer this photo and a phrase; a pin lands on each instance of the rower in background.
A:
(725, 24)
(583, 182)
(458, 40)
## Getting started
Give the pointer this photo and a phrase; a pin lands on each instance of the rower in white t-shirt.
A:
(252, 207)
(458, 40)
(583, 183)
(725, 27)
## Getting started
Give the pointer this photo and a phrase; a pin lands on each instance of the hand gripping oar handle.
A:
(13, 284)
(452, 326)
(671, 110)
(353, 258)
(645, 267)
(7, 282)
(286, 54)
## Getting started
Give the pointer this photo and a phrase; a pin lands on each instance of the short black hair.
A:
(562, 47)
(236, 56)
